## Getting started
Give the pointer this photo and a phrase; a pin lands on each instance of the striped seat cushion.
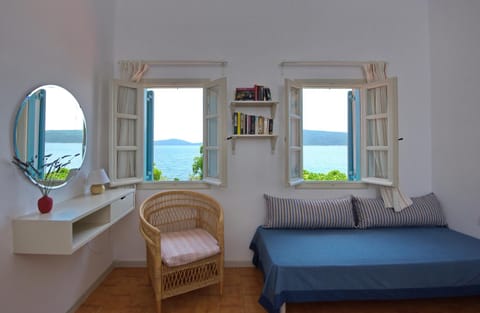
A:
(308, 214)
(187, 246)
(424, 211)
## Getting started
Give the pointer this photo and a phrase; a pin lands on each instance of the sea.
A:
(176, 161)
(60, 149)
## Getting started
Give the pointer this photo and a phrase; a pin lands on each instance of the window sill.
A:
(161, 185)
(331, 185)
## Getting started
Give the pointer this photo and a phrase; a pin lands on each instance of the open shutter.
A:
(126, 134)
(294, 133)
(29, 138)
(379, 133)
(149, 111)
(354, 131)
(214, 152)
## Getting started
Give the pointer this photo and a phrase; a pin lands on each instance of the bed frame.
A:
(364, 264)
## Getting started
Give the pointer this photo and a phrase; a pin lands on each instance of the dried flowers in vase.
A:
(47, 176)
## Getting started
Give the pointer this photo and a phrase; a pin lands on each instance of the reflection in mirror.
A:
(50, 125)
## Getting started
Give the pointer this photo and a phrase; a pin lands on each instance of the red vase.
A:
(45, 204)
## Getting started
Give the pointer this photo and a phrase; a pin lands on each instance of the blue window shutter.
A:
(354, 135)
(31, 129)
(41, 130)
(351, 167)
(358, 150)
(149, 135)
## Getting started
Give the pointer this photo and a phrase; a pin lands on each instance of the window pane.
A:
(377, 100)
(377, 133)
(126, 132)
(295, 164)
(212, 125)
(127, 99)
(126, 164)
(295, 101)
(295, 132)
(377, 164)
(212, 100)
(212, 161)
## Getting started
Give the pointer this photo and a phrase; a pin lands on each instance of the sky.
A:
(325, 109)
(62, 110)
(185, 103)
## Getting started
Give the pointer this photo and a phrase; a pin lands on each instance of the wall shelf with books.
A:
(271, 104)
(250, 121)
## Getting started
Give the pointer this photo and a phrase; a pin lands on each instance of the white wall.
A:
(254, 37)
(73, 45)
(69, 43)
(455, 68)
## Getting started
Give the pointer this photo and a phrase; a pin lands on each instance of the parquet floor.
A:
(127, 290)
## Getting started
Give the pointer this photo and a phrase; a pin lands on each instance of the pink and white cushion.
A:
(182, 247)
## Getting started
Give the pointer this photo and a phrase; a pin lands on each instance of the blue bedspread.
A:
(352, 264)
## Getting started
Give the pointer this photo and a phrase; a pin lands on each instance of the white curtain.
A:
(127, 98)
(377, 133)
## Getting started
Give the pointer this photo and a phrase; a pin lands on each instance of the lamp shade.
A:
(97, 177)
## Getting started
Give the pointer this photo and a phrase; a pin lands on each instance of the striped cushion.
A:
(425, 211)
(303, 213)
(187, 246)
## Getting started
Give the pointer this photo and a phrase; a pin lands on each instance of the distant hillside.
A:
(174, 142)
(324, 138)
(310, 137)
(64, 136)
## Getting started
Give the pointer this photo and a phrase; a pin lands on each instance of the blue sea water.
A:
(176, 161)
(60, 149)
(323, 159)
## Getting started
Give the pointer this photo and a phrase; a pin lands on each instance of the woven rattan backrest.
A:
(179, 210)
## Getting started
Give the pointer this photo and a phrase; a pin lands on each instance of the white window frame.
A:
(114, 123)
(218, 85)
(295, 144)
(391, 148)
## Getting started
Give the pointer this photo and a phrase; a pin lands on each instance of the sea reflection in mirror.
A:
(50, 124)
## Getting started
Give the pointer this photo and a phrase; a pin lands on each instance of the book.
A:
(259, 92)
(244, 94)
(260, 126)
(235, 123)
(266, 94)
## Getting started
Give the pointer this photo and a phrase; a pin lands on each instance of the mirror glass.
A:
(50, 128)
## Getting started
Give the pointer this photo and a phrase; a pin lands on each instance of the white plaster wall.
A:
(254, 37)
(56, 42)
(455, 68)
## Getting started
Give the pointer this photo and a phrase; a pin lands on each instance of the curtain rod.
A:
(326, 63)
(176, 62)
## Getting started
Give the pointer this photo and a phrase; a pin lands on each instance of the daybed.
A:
(356, 249)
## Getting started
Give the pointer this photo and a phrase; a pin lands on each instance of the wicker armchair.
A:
(179, 210)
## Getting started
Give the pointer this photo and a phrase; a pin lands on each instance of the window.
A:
(168, 131)
(342, 130)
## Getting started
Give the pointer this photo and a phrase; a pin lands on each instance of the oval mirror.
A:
(50, 129)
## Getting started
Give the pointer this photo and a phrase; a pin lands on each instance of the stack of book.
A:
(255, 93)
(248, 124)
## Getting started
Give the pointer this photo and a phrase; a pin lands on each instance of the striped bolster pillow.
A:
(308, 214)
(182, 247)
(424, 211)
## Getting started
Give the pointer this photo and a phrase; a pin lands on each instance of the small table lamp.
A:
(97, 179)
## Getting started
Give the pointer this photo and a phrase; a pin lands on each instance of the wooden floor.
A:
(127, 290)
